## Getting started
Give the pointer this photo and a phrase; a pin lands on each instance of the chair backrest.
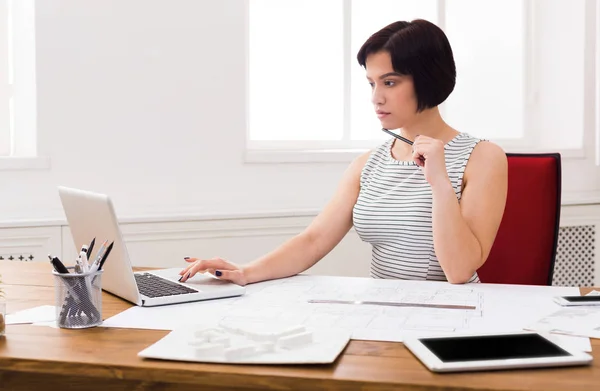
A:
(525, 247)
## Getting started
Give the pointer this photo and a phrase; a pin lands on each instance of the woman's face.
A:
(393, 94)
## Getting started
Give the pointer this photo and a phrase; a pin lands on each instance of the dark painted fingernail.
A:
(218, 273)
(186, 257)
(180, 278)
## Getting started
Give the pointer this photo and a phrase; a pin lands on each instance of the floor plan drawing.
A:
(401, 309)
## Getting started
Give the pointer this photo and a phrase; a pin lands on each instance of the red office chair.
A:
(525, 247)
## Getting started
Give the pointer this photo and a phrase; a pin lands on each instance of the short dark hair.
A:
(419, 49)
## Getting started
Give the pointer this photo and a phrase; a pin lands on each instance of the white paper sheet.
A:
(44, 313)
(498, 307)
(324, 347)
(51, 324)
(579, 321)
(593, 293)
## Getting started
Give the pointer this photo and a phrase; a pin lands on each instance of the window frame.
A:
(22, 73)
(272, 151)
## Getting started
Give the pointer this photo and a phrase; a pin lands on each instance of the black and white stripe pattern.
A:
(393, 211)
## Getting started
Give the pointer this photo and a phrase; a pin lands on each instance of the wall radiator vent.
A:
(575, 256)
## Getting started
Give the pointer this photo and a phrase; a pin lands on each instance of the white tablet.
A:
(484, 352)
(569, 301)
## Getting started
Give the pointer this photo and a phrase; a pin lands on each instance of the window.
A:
(307, 92)
(5, 81)
(17, 83)
(296, 87)
(597, 100)
(490, 67)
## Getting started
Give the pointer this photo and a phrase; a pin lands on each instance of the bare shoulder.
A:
(351, 177)
(358, 163)
(486, 159)
(361, 160)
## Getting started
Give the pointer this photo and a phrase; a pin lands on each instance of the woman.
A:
(431, 210)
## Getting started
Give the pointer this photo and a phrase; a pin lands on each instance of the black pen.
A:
(398, 136)
(421, 158)
(58, 265)
(110, 246)
(89, 250)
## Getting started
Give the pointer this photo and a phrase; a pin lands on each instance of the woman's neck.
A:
(429, 123)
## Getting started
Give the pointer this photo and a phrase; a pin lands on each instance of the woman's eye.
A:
(372, 84)
(389, 83)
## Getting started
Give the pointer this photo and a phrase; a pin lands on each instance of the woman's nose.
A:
(377, 97)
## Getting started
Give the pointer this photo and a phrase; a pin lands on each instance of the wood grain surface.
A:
(34, 357)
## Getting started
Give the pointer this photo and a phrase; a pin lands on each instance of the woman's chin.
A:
(388, 124)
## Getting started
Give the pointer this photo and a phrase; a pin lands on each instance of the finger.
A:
(184, 274)
(421, 144)
(185, 270)
(235, 276)
(192, 270)
(194, 260)
(420, 139)
(215, 263)
(204, 264)
(189, 270)
(418, 158)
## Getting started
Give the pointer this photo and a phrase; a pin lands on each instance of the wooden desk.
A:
(45, 358)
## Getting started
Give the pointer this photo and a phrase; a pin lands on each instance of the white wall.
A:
(144, 100)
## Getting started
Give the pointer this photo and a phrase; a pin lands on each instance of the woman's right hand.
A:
(222, 269)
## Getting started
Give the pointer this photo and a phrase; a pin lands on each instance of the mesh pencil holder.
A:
(78, 299)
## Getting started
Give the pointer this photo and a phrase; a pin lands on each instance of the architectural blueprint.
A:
(492, 307)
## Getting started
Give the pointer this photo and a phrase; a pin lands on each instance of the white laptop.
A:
(91, 215)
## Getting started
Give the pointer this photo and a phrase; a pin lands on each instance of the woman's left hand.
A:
(428, 153)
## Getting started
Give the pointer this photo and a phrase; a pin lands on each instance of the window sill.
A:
(347, 155)
(580, 198)
(13, 163)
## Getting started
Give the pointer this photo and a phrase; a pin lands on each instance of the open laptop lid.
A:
(91, 215)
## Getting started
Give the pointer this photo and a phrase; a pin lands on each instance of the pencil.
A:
(398, 136)
(89, 250)
(110, 246)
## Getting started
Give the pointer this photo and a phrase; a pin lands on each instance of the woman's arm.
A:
(302, 251)
(463, 234)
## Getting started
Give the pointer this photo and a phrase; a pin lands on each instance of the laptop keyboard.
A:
(151, 285)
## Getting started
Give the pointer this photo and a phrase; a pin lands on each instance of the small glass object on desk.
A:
(2, 315)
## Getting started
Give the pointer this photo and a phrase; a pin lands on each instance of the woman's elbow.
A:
(460, 276)
(458, 279)
(462, 273)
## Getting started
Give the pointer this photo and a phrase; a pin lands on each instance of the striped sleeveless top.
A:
(393, 211)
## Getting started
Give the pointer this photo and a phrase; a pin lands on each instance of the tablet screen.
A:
(492, 347)
(582, 299)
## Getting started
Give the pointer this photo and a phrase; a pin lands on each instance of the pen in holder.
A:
(78, 299)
